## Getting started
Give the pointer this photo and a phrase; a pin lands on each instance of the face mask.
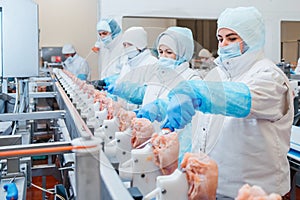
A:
(69, 60)
(230, 51)
(131, 52)
(167, 62)
(106, 40)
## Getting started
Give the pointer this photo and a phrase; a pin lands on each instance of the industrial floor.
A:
(36, 194)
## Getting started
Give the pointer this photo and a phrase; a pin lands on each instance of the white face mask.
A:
(69, 60)
(106, 40)
(167, 62)
(131, 52)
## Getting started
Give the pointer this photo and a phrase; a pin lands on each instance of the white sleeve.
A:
(98, 43)
(270, 94)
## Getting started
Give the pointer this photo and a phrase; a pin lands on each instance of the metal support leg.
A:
(87, 168)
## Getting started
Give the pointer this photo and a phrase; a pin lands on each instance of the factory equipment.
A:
(73, 152)
(173, 186)
(19, 34)
(285, 67)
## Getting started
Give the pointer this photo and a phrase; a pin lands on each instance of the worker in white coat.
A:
(247, 106)
(175, 47)
(146, 84)
(135, 50)
(74, 63)
(206, 61)
(109, 46)
(135, 55)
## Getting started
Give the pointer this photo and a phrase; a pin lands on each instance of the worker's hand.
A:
(96, 49)
(155, 110)
(180, 112)
(110, 88)
(98, 84)
(82, 76)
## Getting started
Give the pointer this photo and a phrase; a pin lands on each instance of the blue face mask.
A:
(230, 51)
(106, 40)
(167, 62)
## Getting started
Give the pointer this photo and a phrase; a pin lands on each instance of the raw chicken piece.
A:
(68, 73)
(99, 96)
(115, 108)
(108, 104)
(142, 130)
(80, 83)
(166, 151)
(202, 176)
(125, 118)
(89, 89)
(247, 192)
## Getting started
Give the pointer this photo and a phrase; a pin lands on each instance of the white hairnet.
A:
(68, 49)
(103, 26)
(204, 53)
(247, 22)
(136, 36)
(109, 25)
(184, 41)
(169, 42)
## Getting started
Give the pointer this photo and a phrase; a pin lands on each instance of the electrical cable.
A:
(45, 190)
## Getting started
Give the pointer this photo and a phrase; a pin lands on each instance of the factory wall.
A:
(274, 11)
(70, 21)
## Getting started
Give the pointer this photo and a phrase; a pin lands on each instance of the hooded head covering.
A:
(168, 41)
(247, 22)
(136, 36)
(204, 53)
(68, 49)
(180, 40)
(109, 25)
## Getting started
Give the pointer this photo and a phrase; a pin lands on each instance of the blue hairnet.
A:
(114, 26)
(247, 22)
(185, 42)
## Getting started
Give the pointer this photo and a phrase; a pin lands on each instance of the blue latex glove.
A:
(110, 89)
(12, 191)
(136, 111)
(155, 110)
(110, 81)
(82, 76)
(132, 92)
(180, 112)
(225, 98)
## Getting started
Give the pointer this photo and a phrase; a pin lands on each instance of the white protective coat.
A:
(78, 66)
(143, 59)
(110, 57)
(254, 149)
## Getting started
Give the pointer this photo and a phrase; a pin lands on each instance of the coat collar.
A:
(114, 42)
(236, 66)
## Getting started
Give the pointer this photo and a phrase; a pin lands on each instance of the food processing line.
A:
(50, 126)
(80, 160)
